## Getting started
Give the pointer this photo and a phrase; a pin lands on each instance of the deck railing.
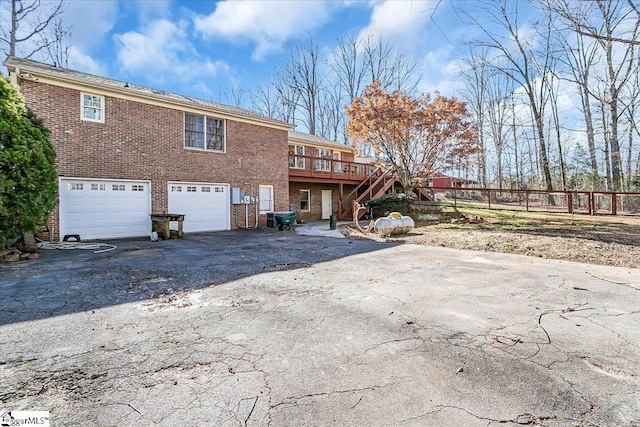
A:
(328, 168)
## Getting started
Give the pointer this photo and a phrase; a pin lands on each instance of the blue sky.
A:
(207, 49)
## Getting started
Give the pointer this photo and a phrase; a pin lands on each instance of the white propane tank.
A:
(386, 225)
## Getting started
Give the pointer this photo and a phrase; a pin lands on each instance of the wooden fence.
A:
(583, 202)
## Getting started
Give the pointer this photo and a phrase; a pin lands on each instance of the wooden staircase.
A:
(373, 186)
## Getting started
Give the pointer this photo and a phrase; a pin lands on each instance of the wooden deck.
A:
(326, 170)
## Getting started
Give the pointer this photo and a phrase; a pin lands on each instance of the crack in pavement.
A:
(294, 400)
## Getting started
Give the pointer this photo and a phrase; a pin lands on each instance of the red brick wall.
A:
(145, 142)
(315, 213)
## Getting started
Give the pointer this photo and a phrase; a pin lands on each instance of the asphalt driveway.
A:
(256, 328)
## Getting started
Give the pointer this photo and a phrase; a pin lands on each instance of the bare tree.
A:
(265, 100)
(497, 114)
(518, 61)
(28, 22)
(474, 76)
(578, 14)
(391, 65)
(615, 27)
(349, 67)
(618, 74)
(579, 58)
(58, 44)
(301, 73)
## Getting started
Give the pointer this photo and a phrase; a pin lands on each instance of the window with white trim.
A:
(337, 164)
(321, 163)
(204, 133)
(98, 187)
(295, 161)
(118, 187)
(266, 198)
(75, 186)
(305, 200)
(92, 107)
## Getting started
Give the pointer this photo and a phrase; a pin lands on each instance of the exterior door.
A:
(327, 209)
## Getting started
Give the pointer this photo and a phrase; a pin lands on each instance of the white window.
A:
(191, 189)
(176, 188)
(295, 159)
(98, 187)
(118, 187)
(75, 186)
(204, 133)
(323, 165)
(137, 188)
(205, 189)
(266, 198)
(219, 189)
(337, 164)
(92, 107)
(305, 199)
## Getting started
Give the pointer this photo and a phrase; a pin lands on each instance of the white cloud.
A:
(398, 19)
(268, 24)
(147, 10)
(441, 68)
(81, 61)
(162, 48)
(90, 21)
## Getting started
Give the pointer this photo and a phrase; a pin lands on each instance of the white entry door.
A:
(327, 209)
(104, 209)
(206, 206)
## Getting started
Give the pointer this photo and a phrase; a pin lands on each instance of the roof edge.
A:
(36, 68)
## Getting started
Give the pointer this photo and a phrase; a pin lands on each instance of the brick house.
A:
(125, 151)
(321, 174)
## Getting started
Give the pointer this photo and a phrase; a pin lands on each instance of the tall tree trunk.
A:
(14, 27)
(607, 137)
(591, 141)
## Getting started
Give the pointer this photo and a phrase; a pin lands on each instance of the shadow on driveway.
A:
(69, 281)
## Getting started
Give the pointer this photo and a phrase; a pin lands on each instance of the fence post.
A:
(570, 202)
(489, 197)
(592, 203)
(614, 203)
(455, 199)
(526, 200)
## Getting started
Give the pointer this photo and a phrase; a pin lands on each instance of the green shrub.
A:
(399, 202)
(28, 180)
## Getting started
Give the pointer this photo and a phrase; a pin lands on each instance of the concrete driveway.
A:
(256, 328)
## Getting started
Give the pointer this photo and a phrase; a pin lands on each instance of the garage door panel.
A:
(93, 210)
(204, 208)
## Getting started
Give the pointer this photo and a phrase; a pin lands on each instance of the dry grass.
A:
(601, 240)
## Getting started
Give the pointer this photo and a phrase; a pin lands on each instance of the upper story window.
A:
(295, 156)
(92, 108)
(204, 133)
(322, 164)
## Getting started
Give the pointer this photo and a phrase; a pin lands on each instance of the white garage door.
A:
(101, 209)
(206, 206)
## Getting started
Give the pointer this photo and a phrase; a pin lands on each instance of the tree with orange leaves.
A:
(411, 137)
